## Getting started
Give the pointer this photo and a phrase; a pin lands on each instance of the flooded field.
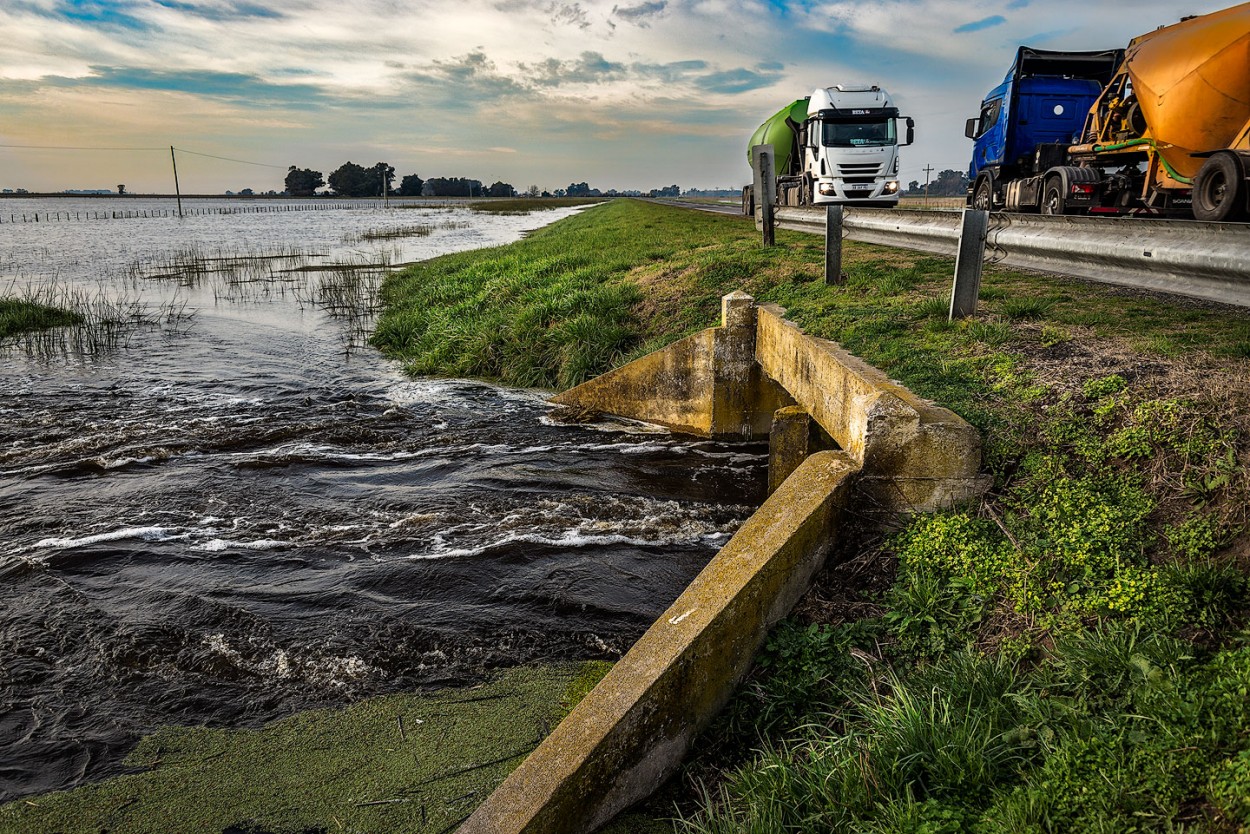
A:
(232, 508)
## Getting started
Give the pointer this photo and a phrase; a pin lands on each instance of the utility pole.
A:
(177, 190)
(928, 169)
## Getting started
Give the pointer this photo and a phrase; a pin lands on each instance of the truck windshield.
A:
(858, 133)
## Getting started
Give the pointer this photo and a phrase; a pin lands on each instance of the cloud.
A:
(220, 11)
(470, 78)
(978, 25)
(638, 15)
(237, 87)
(738, 80)
(573, 15)
(589, 68)
(105, 14)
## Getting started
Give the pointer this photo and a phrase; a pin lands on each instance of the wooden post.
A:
(762, 157)
(177, 190)
(833, 245)
(968, 263)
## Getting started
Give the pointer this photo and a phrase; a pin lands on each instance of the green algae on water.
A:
(408, 762)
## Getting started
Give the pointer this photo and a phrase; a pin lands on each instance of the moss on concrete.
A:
(408, 762)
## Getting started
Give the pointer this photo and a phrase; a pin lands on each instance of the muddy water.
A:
(237, 515)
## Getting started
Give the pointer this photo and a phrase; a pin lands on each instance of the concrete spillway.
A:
(841, 433)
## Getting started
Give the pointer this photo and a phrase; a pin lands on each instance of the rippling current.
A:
(238, 515)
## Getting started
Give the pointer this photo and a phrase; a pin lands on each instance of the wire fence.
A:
(131, 214)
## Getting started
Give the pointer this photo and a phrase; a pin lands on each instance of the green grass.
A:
(23, 316)
(1118, 731)
(409, 762)
(550, 311)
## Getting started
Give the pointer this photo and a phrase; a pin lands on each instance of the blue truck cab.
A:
(1028, 122)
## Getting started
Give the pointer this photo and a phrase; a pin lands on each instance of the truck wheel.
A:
(1053, 201)
(1220, 190)
(983, 197)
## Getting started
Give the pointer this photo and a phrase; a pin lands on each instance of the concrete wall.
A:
(635, 727)
(707, 384)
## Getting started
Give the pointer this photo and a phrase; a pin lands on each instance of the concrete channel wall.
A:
(842, 435)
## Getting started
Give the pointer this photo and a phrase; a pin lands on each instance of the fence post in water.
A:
(833, 245)
(762, 157)
(968, 263)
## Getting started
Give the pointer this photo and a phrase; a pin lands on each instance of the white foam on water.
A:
(147, 534)
(591, 534)
(320, 452)
(276, 663)
(610, 424)
(219, 545)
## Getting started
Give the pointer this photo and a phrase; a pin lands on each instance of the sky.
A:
(624, 94)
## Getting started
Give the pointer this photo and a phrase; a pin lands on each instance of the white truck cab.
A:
(851, 146)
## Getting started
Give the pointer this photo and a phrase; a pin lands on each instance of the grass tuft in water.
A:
(18, 315)
(55, 319)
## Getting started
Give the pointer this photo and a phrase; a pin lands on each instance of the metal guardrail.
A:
(1210, 261)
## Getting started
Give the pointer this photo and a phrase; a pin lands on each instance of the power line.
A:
(229, 159)
(180, 150)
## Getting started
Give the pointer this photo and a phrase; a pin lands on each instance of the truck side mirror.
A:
(970, 128)
(911, 131)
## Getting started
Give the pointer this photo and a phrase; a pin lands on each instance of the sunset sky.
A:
(619, 94)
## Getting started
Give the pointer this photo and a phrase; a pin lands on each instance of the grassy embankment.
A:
(1068, 654)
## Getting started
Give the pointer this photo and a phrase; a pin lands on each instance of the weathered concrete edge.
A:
(916, 455)
(633, 729)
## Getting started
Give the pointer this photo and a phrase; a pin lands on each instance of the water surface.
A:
(241, 513)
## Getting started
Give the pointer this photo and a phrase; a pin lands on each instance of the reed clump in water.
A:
(80, 322)
(395, 232)
(18, 315)
(398, 232)
(348, 292)
(235, 275)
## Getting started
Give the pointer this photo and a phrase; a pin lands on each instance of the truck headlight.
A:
(828, 189)
(891, 187)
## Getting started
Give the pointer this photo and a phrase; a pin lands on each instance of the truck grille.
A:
(859, 169)
(859, 180)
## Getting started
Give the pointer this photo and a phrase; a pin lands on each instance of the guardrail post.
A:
(762, 158)
(833, 245)
(968, 263)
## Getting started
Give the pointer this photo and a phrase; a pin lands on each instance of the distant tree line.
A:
(352, 180)
(949, 183)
